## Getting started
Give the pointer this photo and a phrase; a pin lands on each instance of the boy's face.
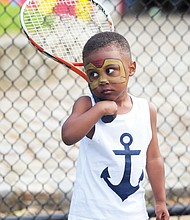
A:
(107, 66)
(105, 70)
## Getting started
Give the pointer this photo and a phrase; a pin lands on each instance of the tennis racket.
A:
(60, 28)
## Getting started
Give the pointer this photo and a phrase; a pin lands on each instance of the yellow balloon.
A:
(84, 10)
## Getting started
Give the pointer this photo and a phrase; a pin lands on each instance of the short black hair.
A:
(106, 38)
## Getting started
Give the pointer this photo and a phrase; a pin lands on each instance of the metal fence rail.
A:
(174, 211)
(37, 170)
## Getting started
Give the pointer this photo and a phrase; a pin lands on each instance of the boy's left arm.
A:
(155, 171)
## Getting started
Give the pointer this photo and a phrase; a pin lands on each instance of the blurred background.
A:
(37, 171)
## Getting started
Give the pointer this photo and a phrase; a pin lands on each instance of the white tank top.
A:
(111, 168)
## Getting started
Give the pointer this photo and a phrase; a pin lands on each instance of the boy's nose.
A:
(103, 80)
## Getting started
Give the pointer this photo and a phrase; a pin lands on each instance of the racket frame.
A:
(71, 65)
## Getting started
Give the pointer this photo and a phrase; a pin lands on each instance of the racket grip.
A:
(108, 118)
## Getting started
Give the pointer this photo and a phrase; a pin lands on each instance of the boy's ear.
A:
(132, 68)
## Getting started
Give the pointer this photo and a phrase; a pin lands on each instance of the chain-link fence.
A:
(37, 170)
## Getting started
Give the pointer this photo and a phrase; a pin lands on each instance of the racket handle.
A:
(108, 118)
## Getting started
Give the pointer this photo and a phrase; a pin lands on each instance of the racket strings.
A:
(62, 27)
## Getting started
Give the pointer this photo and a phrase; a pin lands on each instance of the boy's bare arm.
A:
(84, 117)
(155, 171)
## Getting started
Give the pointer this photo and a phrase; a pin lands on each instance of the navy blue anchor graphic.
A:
(124, 189)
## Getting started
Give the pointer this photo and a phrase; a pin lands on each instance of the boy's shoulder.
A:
(139, 99)
(84, 98)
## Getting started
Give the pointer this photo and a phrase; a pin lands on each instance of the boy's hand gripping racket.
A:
(60, 28)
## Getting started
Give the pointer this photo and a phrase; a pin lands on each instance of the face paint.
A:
(105, 71)
(98, 63)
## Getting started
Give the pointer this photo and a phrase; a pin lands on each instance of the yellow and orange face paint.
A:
(97, 72)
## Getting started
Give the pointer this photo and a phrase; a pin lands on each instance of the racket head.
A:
(60, 28)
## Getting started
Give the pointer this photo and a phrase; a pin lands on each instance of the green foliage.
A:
(9, 18)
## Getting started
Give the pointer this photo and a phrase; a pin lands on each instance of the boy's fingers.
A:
(161, 216)
(158, 217)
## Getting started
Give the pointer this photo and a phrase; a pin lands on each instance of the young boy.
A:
(113, 156)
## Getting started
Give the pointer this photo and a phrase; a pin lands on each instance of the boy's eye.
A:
(93, 76)
(113, 71)
(110, 71)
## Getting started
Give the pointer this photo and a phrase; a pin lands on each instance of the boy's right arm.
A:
(84, 117)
